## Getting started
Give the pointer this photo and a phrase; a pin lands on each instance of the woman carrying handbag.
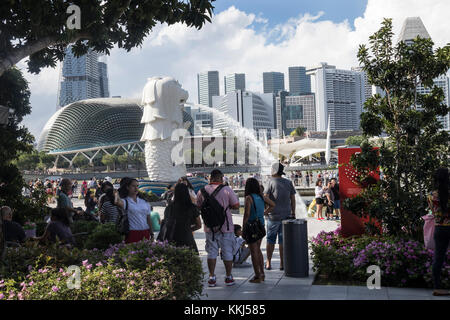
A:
(253, 222)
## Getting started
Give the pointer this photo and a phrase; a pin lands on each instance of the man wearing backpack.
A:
(215, 206)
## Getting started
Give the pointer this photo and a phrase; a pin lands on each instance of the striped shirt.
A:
(108, 210)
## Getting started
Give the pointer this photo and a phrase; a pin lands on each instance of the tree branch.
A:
(17, 54)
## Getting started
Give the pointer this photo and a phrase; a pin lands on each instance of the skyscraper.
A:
(273, 82)
(338, 93)
(208, 86)
(82, 78)
(294, 111)
(299, 82)
(233, 82)
(413, 27)
(251, 110)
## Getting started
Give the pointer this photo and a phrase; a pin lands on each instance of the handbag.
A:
(253, 231)
(167, 229)
(123, 225)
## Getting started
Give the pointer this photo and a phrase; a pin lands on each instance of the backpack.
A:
(213, 214)
(122, 224)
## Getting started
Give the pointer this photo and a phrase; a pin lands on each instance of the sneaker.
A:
(212, 281)
(229, 281)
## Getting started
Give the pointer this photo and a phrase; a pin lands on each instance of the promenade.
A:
(279, 287)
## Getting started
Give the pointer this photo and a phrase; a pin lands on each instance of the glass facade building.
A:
(251, 110)
(233, 82)
(299, 81)
(82, 78)
(339, 95)
(273, 82)
(294, 111)
(208, 86)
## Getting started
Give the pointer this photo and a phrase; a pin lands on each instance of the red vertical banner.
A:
(349, 187)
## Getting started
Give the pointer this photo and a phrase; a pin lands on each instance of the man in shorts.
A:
(223, 239)
(282, 192)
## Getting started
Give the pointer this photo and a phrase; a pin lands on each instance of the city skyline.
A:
(241, 40)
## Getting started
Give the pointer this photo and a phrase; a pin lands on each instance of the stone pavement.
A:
(279, 287)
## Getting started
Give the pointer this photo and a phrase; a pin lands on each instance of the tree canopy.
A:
(38, 29)
(299, 132)
(354, 140)
(416, 145)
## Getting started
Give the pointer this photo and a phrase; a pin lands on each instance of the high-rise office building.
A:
(233, 82)
(82, 78)
(208, 86)
(299, 81)
(251, 110)
(413, 27)
(294, 111)
(103, 79)
(273, 82)
(338, 94)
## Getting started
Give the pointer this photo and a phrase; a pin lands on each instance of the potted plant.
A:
(30, 229)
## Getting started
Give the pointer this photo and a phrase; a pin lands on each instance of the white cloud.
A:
(242, 42)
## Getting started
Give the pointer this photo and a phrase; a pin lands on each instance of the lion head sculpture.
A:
(163, 100)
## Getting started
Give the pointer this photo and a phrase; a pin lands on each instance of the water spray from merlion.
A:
(163, 100)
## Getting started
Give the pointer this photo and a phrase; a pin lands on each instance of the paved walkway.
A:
(279, 287)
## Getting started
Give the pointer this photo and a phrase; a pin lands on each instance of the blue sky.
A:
(279, 11)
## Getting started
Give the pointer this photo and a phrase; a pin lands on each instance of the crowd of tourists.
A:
(264, 211)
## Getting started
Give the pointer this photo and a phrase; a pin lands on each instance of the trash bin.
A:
(295, 247)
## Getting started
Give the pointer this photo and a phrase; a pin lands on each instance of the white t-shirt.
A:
(137, 213)
(319, 192)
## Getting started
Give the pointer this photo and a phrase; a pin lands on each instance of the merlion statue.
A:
(163, 100)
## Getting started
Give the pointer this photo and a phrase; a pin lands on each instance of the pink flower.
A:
(132, 282)
(2, 296)
(85, 262)
(20, 296)
(55, 289)
(89, 266)
(99, 264)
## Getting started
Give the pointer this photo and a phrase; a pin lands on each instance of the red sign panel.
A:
(349, 187)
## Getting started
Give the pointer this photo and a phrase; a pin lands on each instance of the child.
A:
(241, 251)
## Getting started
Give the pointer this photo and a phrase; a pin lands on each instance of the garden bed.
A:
(344, 261)
(143, 270)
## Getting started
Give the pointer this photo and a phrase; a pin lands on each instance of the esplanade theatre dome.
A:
(94, 123)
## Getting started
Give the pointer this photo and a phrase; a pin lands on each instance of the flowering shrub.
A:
(143, 270)
(403, 263)
(20, 261)
(183, 263)
(102, 282)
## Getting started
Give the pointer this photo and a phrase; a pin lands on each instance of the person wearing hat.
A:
(282, 192)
